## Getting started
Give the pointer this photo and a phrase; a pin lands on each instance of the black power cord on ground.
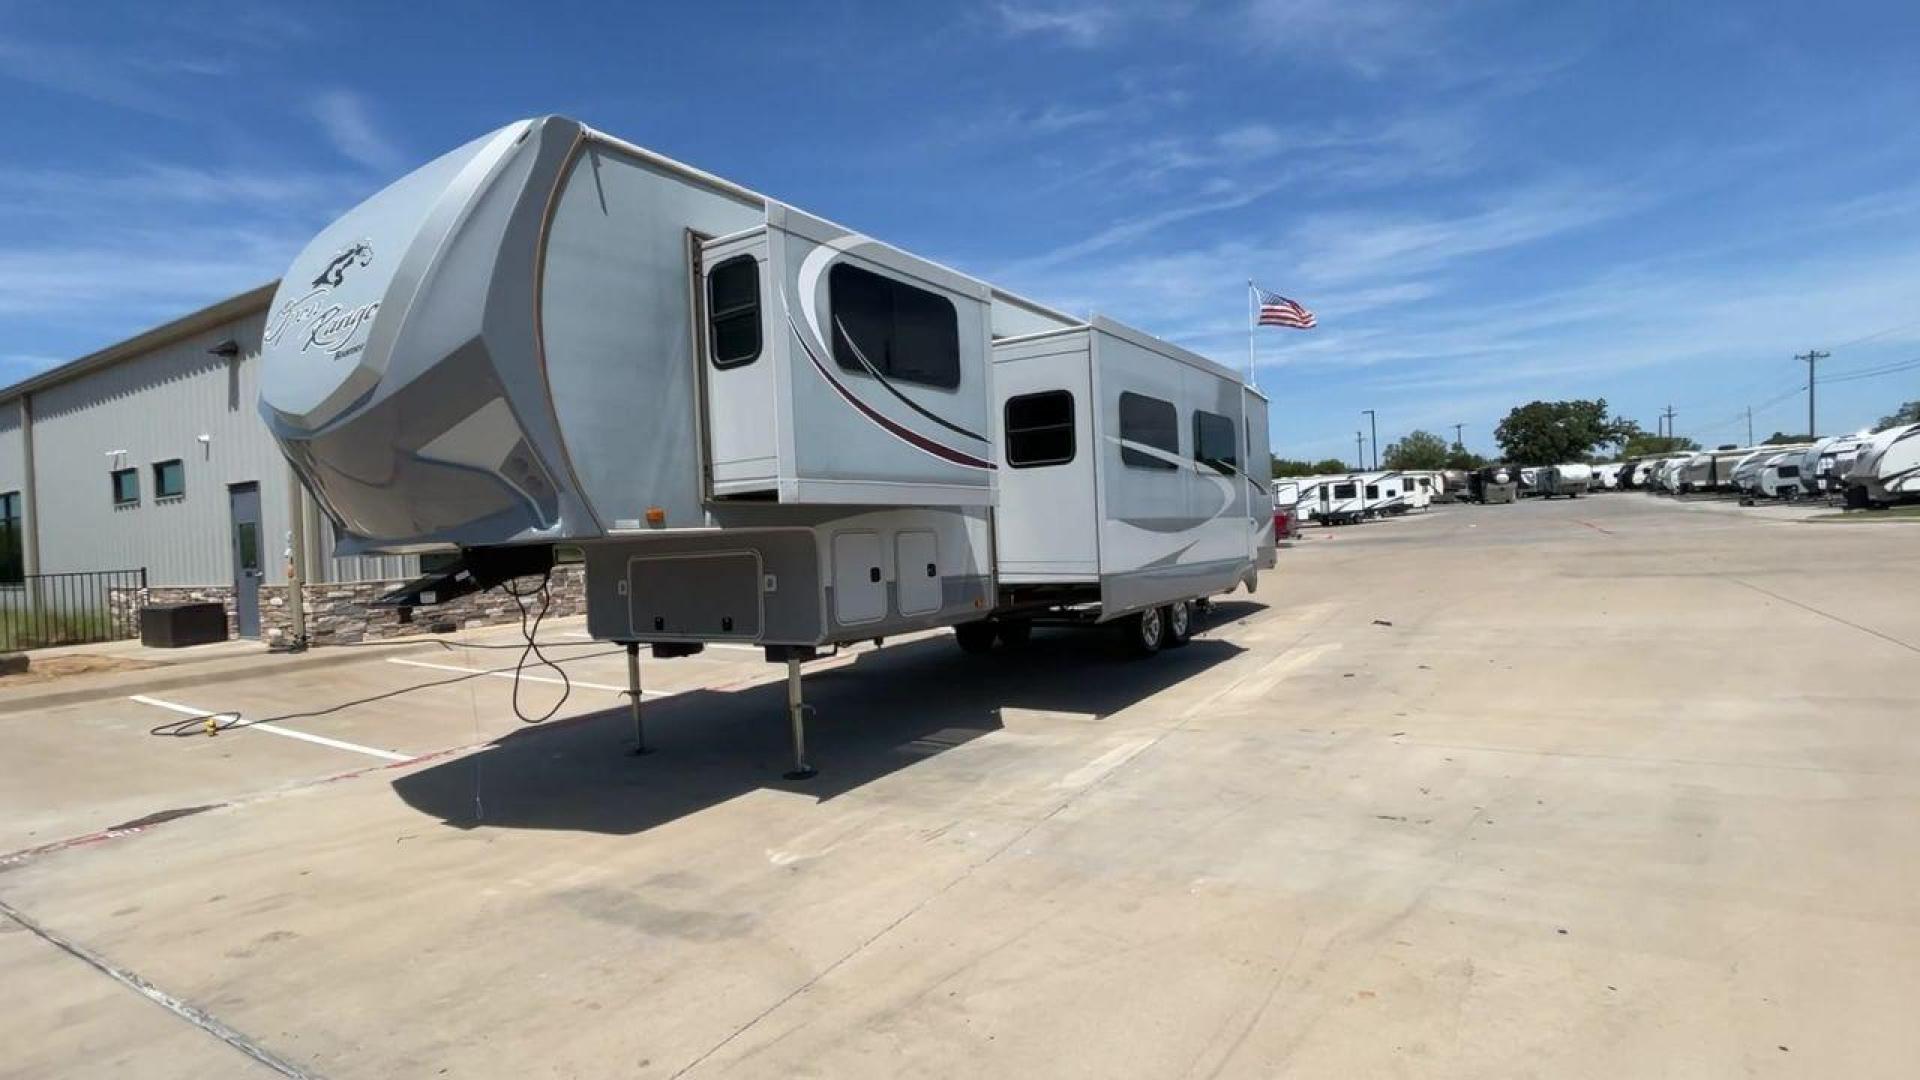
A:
(530, 648)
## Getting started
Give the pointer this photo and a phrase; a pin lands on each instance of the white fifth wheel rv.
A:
(1818, 464)
(1887, 469)
(758, 426)
(1779, 478)
(1382, 493)
(1571, 480)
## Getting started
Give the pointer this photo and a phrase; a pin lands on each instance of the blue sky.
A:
(1486, 203)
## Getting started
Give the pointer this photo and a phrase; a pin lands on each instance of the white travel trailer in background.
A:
(1332, 500)
(1887, 469)
(1571, 480)
(1827, 461)
(1779, 478)
(757, 426)
(1383, 493)
(1529, 481)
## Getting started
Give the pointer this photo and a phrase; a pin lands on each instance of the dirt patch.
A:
(47, 669)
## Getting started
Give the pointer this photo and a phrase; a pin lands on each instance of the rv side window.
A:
(1039, 429)
(1149, 422)
(1343, 491)
(1213, 442)
(900, 332)
(1373, 491)
(733, 312)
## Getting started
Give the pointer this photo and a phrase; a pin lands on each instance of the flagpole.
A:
(1252, 318)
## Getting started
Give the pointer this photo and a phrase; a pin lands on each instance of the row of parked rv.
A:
(1347, 498)
(1872, 469)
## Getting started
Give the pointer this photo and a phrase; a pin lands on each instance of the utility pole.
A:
(1749, 425)
(1456, 435)
(1359, 451)
(1373, 422)
(1668, 417)
(1812, 357)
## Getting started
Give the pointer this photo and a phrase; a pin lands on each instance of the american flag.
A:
(1277, 310)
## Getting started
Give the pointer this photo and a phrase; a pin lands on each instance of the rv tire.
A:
(1178, 617)
(1015, 633)
(975, 637)
(1144, 632)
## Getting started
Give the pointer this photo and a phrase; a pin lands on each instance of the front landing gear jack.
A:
(633, 700)
(797, 708)
(797, 712)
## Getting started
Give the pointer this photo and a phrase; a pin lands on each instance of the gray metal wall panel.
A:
(154, 407)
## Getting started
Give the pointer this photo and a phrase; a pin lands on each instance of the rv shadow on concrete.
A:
(883, 713)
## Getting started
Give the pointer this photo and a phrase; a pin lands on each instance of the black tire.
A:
(1143, 633)
(975, 638)
(1178, 617)
(1014, 633)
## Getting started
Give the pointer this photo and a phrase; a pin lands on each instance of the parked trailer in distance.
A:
(1887, 470)
(1571, 480)
(1779, 478)
(1495, 484)
(1333, 500)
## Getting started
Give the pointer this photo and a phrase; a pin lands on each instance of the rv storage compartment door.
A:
(701, 597)
(739, 371)
(917, 562)
(859, 581)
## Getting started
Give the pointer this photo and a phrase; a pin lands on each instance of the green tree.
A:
(1292, 467)
(1459, 457)
(1551, 432)
(1641, 444)
(1416, 450)
(1781, 438)
(1905, 414)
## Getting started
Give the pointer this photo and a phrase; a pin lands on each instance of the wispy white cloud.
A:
(348, 124)
(1080, 24)
(1371, 37)
(94, 76)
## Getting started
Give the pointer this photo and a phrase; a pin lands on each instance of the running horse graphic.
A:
(357, 254)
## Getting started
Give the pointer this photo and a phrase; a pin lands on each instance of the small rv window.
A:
(1788, 472)
(1213, 442)
(890, 329)
(1039, 429)
(733, 312)
(1343, 491)
(1149, 422)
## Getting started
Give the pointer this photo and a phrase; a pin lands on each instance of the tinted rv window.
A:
(1039, 429)
(1343, 491)
(733, 311)
(1149, 422)
(1213, 442)
(1373, 491)
(904, 333)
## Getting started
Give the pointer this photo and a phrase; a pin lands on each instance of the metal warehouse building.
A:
(150, 458)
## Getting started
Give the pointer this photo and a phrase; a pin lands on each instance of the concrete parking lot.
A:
(1598, 788)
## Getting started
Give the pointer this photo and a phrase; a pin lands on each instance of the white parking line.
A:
(581, 683)
(274, 729)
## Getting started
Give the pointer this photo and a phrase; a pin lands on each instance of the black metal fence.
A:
(37, 610)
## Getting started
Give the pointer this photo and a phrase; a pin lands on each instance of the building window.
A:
(1039, 429)
(169, 479)
(12, 559)
(1213, 443)
(733, 312)
(126, 487)
(889, 328)
(1148, 422)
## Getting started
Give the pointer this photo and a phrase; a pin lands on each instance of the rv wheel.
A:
(1179, 619)
(1144, 632)
(1014, 633)
(975, 637)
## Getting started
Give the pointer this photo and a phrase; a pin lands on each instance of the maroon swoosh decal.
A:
(899, 431)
